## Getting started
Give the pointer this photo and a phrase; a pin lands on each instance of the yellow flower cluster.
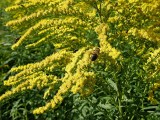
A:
(153, 60)
(147, 34)
(153, 67)
(113, 19)
(56, 27)
(154, 57)
(132, 1)
(104, 44)
(83, 80)
(52, 104)
(151, 7)
(43, 26)
(151, 93)
(19, 88)
(70, 68)
(70, 25)
(77, 80)
(151, 98)
(57, 99)
(34, 75)
(85, 8)
(58, 57)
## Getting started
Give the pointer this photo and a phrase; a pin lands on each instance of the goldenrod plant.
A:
(95, 42)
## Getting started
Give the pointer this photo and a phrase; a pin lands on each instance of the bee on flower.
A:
(94, 54)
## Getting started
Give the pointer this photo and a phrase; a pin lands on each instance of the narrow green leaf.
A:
(112, 84)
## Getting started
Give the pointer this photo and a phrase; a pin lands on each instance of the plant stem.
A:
(119, 94)
(119, 105)
(99, 10)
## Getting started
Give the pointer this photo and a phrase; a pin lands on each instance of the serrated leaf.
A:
(112, 84)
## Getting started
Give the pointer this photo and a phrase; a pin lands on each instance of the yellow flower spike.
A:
(63, 89)
(72, 64)
(12, 8)
(30, 87)
(48, 105)
(105, 46)
(133, 31)
(47, 93)
(52, 104)
(151, 98)
(150, 7)
(7, 94)
(59, 98)
(39, 110)
(80, 82)
(75, 89)
(132, 1)
(20, 87)
(44, 63)
(154, 57)
(113, 19)
(51, 86)
(27, 79)
(56, 101)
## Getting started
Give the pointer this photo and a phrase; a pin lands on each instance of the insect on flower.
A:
(94, 54)
(17, 39)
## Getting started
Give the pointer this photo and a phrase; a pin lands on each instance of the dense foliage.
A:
(84, 59)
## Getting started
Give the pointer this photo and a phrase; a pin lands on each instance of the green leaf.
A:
(105, 106)
(112, 84)
(98, 113)
(150, 108)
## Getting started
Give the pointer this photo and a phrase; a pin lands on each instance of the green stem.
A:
(119, 105)
(119, 94)
(99, 10)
